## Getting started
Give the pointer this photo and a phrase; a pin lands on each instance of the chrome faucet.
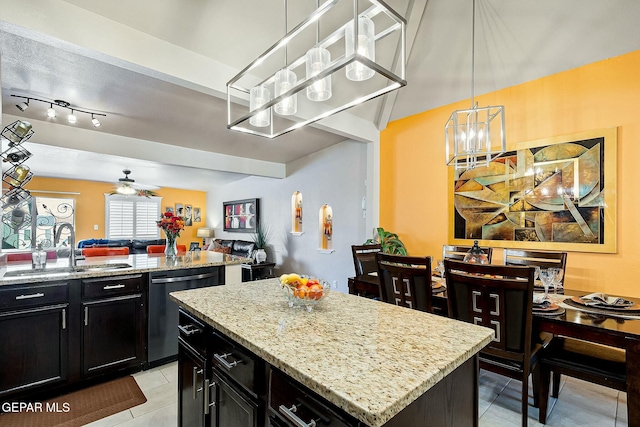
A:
(72, 241)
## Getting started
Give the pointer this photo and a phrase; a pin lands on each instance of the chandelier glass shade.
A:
(343, 54)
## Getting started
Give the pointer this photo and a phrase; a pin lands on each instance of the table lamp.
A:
(204, 233)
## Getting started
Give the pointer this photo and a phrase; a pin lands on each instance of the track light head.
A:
(71, 118)
(96, 122)
(51, 113)
(23, 105)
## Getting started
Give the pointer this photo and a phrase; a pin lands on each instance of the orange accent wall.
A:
(414, 176)
(90, 204)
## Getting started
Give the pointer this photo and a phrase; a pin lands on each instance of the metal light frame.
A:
(462, 150)
(237, 94)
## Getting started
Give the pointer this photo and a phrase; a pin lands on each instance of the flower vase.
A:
(261, 256)
(171, 247)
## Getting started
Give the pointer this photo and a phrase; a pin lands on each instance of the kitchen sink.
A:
(67, 270)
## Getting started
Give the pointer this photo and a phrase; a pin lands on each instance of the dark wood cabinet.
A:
(191, 374)
(34, 337)
(34, 348)
(230, 407)
(112, 336)
(113, 324)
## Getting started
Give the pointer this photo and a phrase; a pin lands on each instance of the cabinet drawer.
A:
(296, 406)
(192, 332)
(32, 295)
(112, 286)
(238, 363)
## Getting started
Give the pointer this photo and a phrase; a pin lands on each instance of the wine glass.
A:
(440, 268)
(557, 282)
(547, 276)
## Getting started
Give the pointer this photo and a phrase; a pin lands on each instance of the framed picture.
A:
(188, 214)
(558, 193)
(194, 246)
(241, 215)
(169, 209)
(179, 209)
(196, 215)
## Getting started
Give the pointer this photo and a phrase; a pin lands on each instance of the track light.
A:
(51, 112)
(23, 105)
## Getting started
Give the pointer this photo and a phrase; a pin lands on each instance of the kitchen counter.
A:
(139, 263)
(369, 358)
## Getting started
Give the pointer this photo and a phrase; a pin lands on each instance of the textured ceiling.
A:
(46, 55)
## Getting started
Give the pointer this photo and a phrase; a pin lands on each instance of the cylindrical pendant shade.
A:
(285, 80)
(356, 71)
(258, 97)
(318, 59)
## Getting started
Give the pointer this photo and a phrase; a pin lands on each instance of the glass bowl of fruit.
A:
(303, 291)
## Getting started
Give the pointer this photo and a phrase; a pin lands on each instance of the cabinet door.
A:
(113, 334)
(34, 348)
(230, 407)
(191, 372)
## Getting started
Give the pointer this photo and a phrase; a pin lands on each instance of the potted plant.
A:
(261, 240)
(391, 243)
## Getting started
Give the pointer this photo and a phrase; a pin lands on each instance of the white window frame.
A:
(108, 199)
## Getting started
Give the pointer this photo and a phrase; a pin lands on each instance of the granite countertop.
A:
(138, 263)
(369, 358)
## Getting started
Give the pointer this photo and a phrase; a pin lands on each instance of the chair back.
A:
(542, 259)
(498, 297)
(106, 251)
(364, 258)
(458, 252)
(405, 281)
(155, 249)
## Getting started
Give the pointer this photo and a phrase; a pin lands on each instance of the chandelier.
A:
(476, 136)
(338, 57)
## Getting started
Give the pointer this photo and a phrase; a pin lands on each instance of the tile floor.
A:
(580, 403)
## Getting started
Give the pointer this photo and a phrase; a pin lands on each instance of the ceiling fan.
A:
(127, 187)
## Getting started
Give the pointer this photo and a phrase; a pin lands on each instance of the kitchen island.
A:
(369, 362)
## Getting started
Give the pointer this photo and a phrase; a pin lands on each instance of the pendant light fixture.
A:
(285, 80)
(338, 37)
(363, 45)
(318, 59)
(476, 136)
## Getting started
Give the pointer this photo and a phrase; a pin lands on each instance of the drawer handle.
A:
(194, 382)
(223, 359)
(207, 387)
(289, 413)
(189, 329)
(120, 286)
(38, 295)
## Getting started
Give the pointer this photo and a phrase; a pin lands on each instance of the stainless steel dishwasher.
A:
(163, 313)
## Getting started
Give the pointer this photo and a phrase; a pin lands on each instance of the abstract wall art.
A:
(557, 194)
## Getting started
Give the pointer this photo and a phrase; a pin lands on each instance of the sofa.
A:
(135, 246)
(241, 248)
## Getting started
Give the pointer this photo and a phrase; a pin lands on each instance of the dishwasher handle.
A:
(183, 278)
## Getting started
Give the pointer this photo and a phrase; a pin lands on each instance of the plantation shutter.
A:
(132, 217)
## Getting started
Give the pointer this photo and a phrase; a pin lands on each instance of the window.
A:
(132, 217)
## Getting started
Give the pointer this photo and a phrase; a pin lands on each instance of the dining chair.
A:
(542, 259)
(106, 251)
(458, 252)
(499, 297)
(405, 281)
(364, 261)
(596, 363)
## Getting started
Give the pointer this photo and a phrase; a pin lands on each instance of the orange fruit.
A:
(301, 292)
(315, 291)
